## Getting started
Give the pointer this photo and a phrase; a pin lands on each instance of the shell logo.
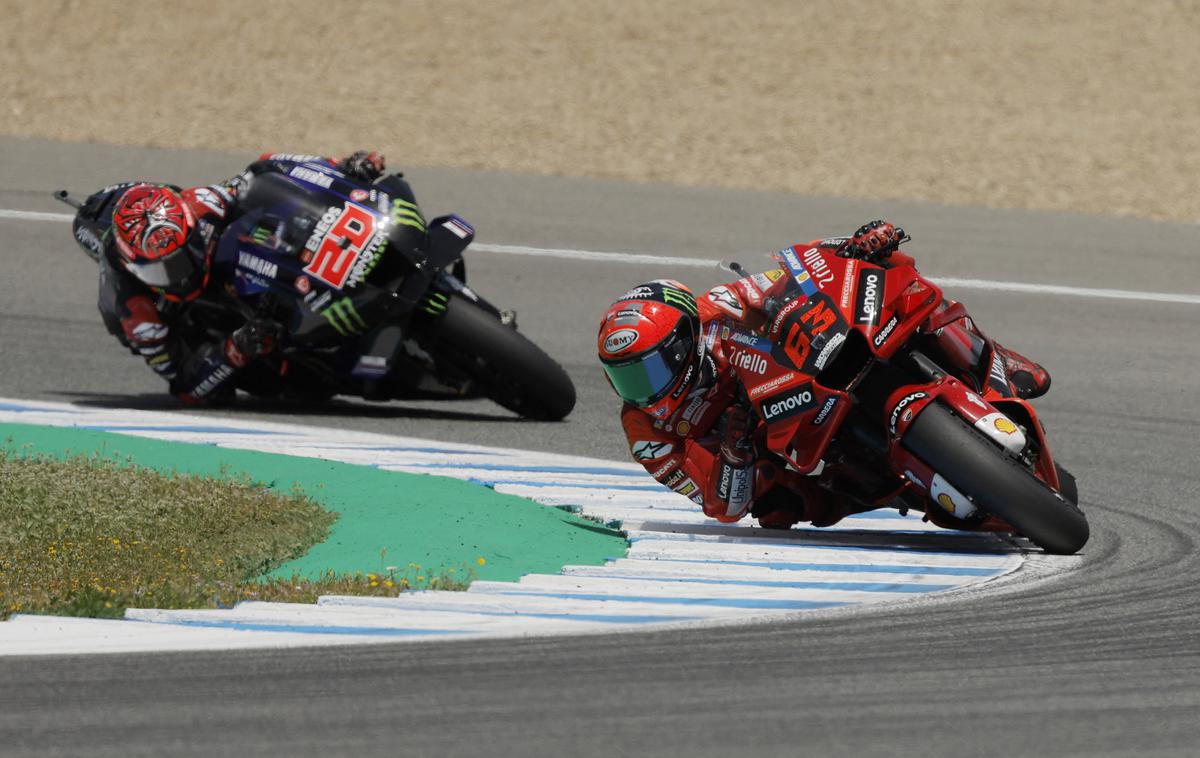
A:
(946, 502)
(1004, 425)
(619, 340)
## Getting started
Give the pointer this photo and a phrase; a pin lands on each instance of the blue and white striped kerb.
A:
(682, 568)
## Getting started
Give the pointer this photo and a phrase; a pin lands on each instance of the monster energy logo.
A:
(680, 299)
(404, 212)
(435, 303)
(342, 316)
(260, 235)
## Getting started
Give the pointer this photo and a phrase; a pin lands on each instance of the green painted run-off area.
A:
(386, 518)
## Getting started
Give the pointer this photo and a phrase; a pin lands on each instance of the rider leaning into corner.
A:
(687, 417)
(157, 258)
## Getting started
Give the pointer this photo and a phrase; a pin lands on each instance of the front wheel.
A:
(995, 482)
(506, 366)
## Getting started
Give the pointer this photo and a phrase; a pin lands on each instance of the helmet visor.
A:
(644, 380)
(173, 270)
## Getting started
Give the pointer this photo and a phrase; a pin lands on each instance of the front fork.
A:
(1010, 423)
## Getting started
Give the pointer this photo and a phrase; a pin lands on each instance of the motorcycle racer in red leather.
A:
(688, 418)
(156, 258)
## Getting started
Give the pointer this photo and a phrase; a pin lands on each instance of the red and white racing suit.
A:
(682, 450)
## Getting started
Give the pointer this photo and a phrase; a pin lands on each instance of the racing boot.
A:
(1028, 379)
(965, 348)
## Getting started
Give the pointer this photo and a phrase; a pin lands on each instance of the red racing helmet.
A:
(649, 344)
(155, 232)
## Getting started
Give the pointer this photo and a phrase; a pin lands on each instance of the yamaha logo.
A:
(619, 340)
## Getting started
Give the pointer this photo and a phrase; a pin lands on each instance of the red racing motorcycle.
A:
(852, 389)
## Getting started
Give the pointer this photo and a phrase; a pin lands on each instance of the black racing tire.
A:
(996, 482)
(504, 364)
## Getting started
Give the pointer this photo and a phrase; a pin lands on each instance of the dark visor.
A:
(644, 380)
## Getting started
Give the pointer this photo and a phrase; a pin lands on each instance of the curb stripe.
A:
(679, 568)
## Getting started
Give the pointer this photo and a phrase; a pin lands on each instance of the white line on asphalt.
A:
(668, 260)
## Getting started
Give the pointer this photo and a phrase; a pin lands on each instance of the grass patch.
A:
(90, 536)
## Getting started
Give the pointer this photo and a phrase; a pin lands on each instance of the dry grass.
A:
(1018, 103)
(92, 536)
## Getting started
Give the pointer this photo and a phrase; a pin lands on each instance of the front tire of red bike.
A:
(996, 482)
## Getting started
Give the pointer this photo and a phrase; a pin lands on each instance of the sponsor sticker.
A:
(777, 383)
(344, 246)
(662, 470)
(723, 482)
(619, 340)
(787, 404)
(752, 341)
(210, 200)
(88, 239)
(868, 305)
(1005, 426)
(302, 285)
(883, 334)
(311, 176)
(748, 360)
(726, 300)
(815, 262)
(752, 293)
(784, 312)
(997, 374)
(637, 292)
(740, 491)
(830, 348)
(650, 450)
(359, 195)
(900, 406)
(799, 273)
(848, 283)
(674, 479)
(257, 265)
(825, 409)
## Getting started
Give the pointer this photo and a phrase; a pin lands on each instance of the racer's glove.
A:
(737, 444)
(254, 339)
(876, 238)
(363, 165)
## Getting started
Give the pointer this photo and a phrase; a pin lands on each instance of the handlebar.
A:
(63, 196)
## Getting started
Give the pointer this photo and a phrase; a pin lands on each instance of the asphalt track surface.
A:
(1101, 660)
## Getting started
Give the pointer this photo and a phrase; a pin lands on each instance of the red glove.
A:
(737, 446)
(873, 237)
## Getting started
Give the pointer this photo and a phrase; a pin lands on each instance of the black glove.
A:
(363, 165)
(876, 238)
(737, 444)
(254, 339)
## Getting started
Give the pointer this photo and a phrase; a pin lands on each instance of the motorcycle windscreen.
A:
(644, 380)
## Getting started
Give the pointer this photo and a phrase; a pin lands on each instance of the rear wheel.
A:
(506, 366)
(996, 482)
